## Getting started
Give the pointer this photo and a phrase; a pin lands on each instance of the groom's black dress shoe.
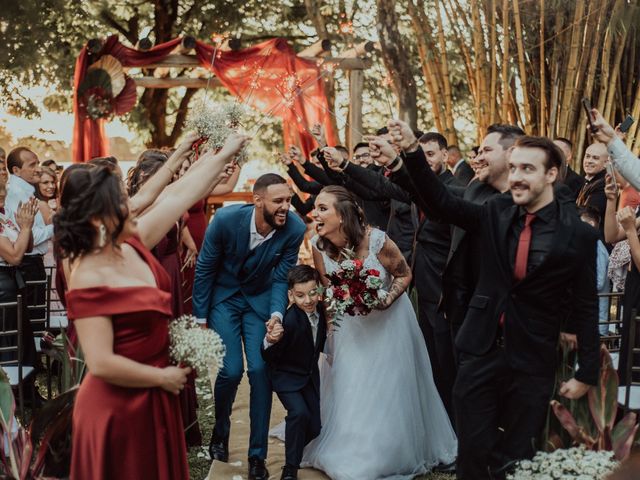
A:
(257, 469)
(219, 449)
(289, 473)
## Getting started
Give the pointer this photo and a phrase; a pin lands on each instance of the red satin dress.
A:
(122, 433)
(197, 225)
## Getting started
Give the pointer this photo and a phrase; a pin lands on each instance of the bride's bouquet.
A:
(189, 344)
(353, 289)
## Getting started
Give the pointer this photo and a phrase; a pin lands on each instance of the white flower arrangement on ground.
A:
(576, 463)
(200, 349)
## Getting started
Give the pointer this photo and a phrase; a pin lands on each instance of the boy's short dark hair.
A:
(302, 274)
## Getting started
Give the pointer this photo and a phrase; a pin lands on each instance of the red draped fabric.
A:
(268, 77)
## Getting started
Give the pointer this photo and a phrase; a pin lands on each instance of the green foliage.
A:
(591, 420)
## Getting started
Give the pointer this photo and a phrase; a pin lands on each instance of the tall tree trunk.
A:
(395, 57)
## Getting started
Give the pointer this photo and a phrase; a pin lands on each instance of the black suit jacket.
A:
(574, 181)
(464, 173)
(293, 361)
(532, 306)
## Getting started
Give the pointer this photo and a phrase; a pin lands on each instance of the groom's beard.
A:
(270, 218)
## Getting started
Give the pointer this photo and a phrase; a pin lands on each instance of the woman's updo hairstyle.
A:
(88, 192)
(148, 163)
(354, 224)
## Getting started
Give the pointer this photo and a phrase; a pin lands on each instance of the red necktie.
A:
(522, 253)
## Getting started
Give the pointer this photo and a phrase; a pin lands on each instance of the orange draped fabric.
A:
(268, 77)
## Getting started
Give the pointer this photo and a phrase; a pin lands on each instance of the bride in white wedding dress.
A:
(382, 417)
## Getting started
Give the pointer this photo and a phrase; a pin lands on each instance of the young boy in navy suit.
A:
(291, 351)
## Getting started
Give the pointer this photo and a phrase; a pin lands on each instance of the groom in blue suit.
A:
(240, 286)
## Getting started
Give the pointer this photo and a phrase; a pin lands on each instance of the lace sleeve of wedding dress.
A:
(376, 241)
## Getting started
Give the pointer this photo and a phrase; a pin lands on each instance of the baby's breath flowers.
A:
(196, 347)
(576, 463)
(215, 123)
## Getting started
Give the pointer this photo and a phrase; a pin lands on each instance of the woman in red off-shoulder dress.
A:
(126, 420)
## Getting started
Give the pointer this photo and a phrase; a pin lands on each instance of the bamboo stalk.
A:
(615, 75)
(571, 70)
(528, 117)
(494, 63)
(450, 132)
(460, 40)
(542, 130)
(505, 58)
(631, 68)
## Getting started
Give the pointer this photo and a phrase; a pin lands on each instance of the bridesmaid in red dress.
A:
(126, 420)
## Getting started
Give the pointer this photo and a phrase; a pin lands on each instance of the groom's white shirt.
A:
(255, 240)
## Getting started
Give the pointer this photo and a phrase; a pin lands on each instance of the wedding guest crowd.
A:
(506, 249)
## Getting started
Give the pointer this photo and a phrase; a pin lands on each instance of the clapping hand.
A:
(26, 213)
(318, 133)
(604, 132)
(402, 135)
(381, 150)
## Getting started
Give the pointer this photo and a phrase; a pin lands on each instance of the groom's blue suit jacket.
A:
(226, 266)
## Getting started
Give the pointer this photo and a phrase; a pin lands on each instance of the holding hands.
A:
(275, 331)
(174, 379)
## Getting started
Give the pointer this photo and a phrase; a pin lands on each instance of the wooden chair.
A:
(11, 343)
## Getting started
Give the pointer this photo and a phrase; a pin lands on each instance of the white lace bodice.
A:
(376, 242)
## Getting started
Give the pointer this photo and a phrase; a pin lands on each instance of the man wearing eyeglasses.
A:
(361, 156)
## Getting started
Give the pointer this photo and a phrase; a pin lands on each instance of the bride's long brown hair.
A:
(354, 224)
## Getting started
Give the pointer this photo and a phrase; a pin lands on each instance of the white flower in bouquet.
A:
(194, 346)
(215, 123)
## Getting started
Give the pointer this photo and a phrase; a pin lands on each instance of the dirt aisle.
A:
(236, 469)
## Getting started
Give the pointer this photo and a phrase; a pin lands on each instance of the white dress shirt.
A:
(255, 239)
(20, 191)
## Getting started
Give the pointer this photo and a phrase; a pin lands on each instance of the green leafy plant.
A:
(591, 420)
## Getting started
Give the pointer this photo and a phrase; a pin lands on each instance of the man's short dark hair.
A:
(553, 155)
(590, 213)
(508, 133)
(265, 181)
(3, 153)
(454, 148)
(566, 141)
(434, 137)
(302, 274)
(361, 145)
(14, 159)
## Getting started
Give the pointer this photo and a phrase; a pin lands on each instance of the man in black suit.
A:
(592, 192)
(536, 253)
(459, 167)
(291, 351)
